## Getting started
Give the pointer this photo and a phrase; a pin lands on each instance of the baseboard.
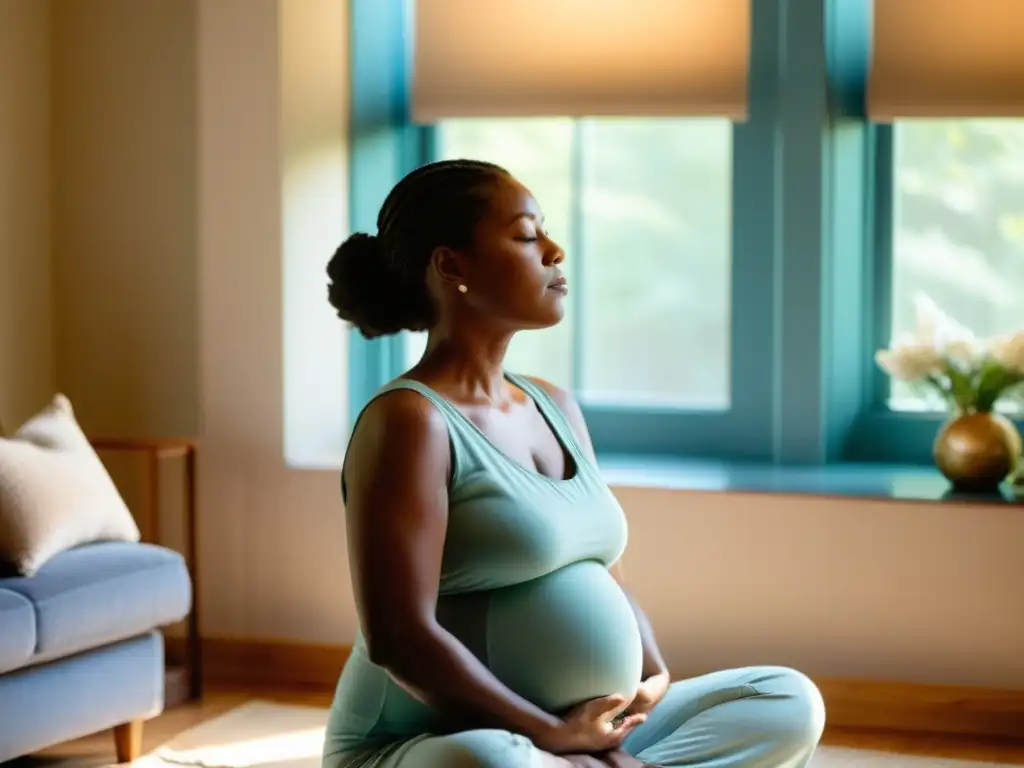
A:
(898, 706)
(176, 690)
(892, 706)
(266, 663)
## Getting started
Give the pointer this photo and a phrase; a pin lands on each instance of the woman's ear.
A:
(447, 264)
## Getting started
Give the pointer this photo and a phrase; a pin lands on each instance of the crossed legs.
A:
(756, 717)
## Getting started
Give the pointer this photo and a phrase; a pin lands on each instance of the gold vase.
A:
(977, 451)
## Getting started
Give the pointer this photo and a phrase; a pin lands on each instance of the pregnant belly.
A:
(564, 638)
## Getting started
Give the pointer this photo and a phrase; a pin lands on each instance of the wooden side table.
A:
(181, 683)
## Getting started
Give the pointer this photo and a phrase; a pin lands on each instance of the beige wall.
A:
(272, 537)
(125, 212)
(841, 587)
(26, 331)
(847, 587)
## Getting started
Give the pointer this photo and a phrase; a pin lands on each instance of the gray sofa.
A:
(81, 649)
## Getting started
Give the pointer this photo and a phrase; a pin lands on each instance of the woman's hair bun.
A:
(358, 276)
(365, 290)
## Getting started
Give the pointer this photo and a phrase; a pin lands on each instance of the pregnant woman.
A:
(484, 545)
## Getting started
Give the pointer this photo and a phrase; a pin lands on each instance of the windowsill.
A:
(897, 482)
(853, 479)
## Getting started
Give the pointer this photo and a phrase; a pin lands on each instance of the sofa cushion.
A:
(101, 593)
(17, 630)
(48, 704)
(55, 493)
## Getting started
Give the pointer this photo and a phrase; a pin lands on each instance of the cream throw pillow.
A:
(55, 493)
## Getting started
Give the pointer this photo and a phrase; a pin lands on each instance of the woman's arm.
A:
(396, 480)
(654, 664)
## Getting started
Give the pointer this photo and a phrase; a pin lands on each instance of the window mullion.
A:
(881, 223)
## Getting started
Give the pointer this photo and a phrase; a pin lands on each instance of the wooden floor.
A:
(218, 701)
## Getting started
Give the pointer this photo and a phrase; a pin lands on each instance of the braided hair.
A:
(378, 282)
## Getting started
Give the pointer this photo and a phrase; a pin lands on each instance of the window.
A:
(699, 293)
(957, 233)
(643, 209)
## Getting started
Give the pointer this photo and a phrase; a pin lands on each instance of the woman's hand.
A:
(589, 727)
(651, 691)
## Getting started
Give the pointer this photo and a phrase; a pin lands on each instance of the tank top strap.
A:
(460, 434)
(441, 403)
(551, 411)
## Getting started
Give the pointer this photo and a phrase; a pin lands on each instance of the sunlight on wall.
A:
(314, 82)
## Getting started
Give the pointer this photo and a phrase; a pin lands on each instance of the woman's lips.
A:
(561, 285)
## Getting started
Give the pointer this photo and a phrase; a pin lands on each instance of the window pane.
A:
(656, 232)
(651, 202)
(958, 228)
(539, 153)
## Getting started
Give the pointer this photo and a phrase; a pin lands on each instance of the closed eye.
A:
(532, 238)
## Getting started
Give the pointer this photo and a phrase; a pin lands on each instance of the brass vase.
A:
(977, 451)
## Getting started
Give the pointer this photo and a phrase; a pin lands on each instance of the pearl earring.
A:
(462, 288)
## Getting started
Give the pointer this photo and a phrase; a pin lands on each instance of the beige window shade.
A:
(947, 58)
(488, 58)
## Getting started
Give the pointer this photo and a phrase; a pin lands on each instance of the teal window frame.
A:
(882, 434)
(811, 238)
(862, 426)
(879, 433)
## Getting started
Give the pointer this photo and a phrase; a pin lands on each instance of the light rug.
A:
(263, 734)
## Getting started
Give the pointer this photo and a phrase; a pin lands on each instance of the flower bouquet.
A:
(977, 448)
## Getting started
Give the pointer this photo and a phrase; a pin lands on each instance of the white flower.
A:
(944, 334)
(965, 353)
(911, 361)
(1008, 351)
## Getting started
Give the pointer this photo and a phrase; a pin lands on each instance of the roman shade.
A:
(947, 58)
(531, 58)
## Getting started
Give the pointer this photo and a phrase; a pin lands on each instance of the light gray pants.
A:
(757, 717)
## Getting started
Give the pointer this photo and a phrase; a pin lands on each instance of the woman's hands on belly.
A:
(591, 728)
(565, 638)
(649, 693)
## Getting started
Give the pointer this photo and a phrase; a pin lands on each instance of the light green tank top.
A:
(524, 585)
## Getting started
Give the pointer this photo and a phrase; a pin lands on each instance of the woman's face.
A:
(513, 274)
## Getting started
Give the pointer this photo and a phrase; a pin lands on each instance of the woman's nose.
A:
(554, 253)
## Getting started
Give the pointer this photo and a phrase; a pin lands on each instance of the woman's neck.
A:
(470, 360)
